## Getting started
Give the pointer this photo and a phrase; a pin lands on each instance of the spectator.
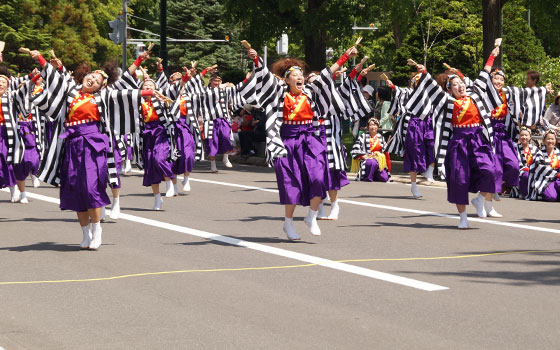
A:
(532, 78)
(235, 124)
(386, 120)
(552, 116)
(253, 129)
(362, 125)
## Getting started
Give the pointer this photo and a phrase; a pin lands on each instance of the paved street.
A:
(213, 270)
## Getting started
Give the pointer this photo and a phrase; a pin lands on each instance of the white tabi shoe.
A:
(116, 209)
(87, 237)
(158, 202)
(213, 167)
(186, 184)
(478, 203)
(321, 212)
(95, 236)
(226, 161)
(289, 229)
(497, 197)
(414, 189)
(490, 211)
(127, 167)
(169, 188)
(311, 222)
(429, 174)
(35, 180)
(335, 210)
(23, 198)
(14, 193)
(175, 190)
(464, 222)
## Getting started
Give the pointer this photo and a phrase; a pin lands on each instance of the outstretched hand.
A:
(351, 52)
(496, 51)
(252, 53)
(35, 54)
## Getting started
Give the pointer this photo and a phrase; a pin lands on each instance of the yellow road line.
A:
(273, 267)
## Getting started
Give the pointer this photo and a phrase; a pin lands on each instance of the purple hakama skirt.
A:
(524, 184)
(372, 172)
(334, 179)
(155, 153)
(83, 172)
(220, 142)
(469, 165)
(31, 158)
(552, 191)
(505, 158)
(7, 177)
(418, 145)
(301, 174)
(186, 147)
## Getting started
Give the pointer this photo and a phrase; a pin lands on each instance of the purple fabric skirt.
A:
(30, 163)
(155, 154)
(83, 173)
(301, 174)
(186, 147)
(334, 179)
(469, 165)
(505, 158)
(524, 183)
(220, 142)
(7, 177)
(552, 192)
(418, 145)
(372, 172)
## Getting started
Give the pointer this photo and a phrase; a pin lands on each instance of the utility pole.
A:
(124, 20)
(163, 32)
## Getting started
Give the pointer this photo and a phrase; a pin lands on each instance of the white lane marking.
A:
(268, 249)
(388, 207)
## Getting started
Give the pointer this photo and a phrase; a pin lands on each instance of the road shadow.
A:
(421, 226)
(44, 246)
(378, 196)
(39, 220)
(256, 218)
(548, 273)
(268, 240)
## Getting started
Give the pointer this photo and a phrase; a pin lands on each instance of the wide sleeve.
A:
(126, 81)
(527, 104)
(355, 104)
(426, 97)
(123, 110)
(359, 148)
(55, 89)
(398, 101)
(483, 87)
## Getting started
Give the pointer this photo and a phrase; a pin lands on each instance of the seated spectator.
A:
(375, 164)
(235, 124)
(253, 129)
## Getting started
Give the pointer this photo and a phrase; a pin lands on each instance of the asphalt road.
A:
(213, 270)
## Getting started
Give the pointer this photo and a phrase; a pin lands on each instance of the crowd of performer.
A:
(80, 131)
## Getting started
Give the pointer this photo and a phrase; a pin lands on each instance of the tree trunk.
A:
(397, 34)
(491, 27)
(314, 40)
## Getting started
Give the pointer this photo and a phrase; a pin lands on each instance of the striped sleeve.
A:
(359, 148)
(56, 86)
(126, 81)
(123, 110)
(398, 101)
(484, 88)
(162, 82)
(425, 97)
(356, 106)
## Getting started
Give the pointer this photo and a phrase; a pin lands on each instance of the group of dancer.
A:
(78, 135)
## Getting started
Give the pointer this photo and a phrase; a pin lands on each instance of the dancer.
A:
(80, 159)
(544, 173)
(355, 107)
(294, 146)
(375, 164)
(463, 136)
(12, 148)
(526, 153)
(417, 132)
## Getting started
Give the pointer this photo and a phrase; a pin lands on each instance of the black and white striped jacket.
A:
(541, 173)
(24, 98)
(60, 90)
(16, 148)
(395, 145)
(428, 97)
(522, 164)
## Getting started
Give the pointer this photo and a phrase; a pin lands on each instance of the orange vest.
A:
(183, 106)
(465, 112)
(297, 108)
(82, 107)
(554, 162)
(149, 112)
(500, 112)
(2, 120)
(374, 144)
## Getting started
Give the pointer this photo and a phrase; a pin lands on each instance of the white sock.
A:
(95, 235)
(321, 211)
(213, 166)
(186, 184)
(23, 198)
(175, 189)
(463, 223)
(429, 173)
(311, 221)
(185, 179)
(158, 201)
(335, 209)
(169, 188)
(226, 158)
(102, 213)
(414, 190)
(490, 211)
(87, 237)
(36, 181)
(289, 229)
(116, 208)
